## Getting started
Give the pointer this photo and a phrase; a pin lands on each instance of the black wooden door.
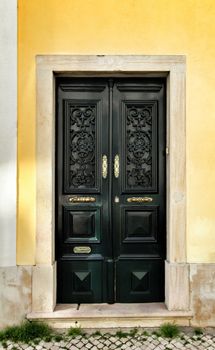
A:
(110, 190)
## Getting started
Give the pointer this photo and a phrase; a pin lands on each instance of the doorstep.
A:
(106, 316)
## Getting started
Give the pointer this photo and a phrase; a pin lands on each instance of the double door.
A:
(110, 190)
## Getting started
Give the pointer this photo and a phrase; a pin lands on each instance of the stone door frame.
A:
(174, 69)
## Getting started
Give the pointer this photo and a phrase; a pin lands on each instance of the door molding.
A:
(171, 67)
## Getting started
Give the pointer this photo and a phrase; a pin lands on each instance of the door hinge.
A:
(167, 150)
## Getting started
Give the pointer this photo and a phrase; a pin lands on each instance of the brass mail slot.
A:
(82, 250)
(77, 199)
(139, 199)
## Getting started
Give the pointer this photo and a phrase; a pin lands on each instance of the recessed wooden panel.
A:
(139, 140)
(81, 224)
(81, 281)
(139, 224)
(139, 280)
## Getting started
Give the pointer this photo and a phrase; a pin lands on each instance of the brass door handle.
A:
(104, 166)
(116, 166)
(139, 199)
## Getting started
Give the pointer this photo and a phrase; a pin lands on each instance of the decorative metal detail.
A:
(77, 199)
(82, 146)
(104, 166)
(82, 250)
(116, 199)
(116, 166)
(139, 199)
(139, 146)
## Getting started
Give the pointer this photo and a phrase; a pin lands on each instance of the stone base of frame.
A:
(44, 288)
(177, 290)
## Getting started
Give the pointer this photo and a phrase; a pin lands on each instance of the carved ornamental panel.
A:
(140, 147)
(80, 147)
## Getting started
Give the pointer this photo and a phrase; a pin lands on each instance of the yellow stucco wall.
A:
(125, 27)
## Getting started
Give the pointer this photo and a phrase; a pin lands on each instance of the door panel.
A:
(139, 212)
(110, 190)
(83, 242)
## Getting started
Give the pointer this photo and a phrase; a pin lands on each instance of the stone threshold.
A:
(106, 316)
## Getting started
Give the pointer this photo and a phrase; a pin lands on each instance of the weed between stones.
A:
(75, 332)
(121, 334)
(198, 331)
(169, 330)
(26, 332)
(157, 333)
(97, 334)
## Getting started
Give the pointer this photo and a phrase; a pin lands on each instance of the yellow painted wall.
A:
(125, 27)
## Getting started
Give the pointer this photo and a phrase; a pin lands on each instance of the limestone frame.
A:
(174, 69)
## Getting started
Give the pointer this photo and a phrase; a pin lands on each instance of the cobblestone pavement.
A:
(108, 341)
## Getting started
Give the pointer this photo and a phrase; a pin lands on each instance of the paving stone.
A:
(62, 343)
(156, 342)
(161, 347)
(95, 342)
(48, 345)
(107, 342)
(118, 342)
(123, 340)
(113, 339)
(54, 347)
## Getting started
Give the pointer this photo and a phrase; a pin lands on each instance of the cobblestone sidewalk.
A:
(108, 341)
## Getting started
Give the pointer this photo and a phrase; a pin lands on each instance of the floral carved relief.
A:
(82, 146)
(139, 146)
